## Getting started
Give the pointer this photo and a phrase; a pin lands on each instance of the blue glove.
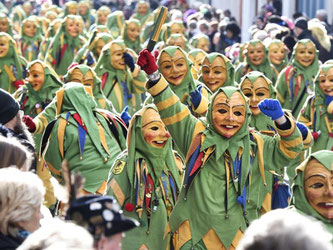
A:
(129, 61)
(328, 99)
(272, 108)
(90, 59)
(125, 116)
(303, 129)
(196, 96)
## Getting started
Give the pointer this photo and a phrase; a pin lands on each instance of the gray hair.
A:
(57, 234)
(20, 194)
(284, 229)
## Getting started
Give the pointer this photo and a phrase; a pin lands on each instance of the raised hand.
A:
(272, 108)
(196, 96)
(125, 116)
(147, 62)
(28, 121)
(303, 129)
(129, 61)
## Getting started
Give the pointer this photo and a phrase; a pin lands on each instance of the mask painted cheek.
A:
(149, 137)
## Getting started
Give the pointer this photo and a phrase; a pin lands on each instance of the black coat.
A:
(8, 242)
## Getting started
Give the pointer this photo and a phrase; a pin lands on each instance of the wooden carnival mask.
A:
(256, 53)
(36, 76)
(326, 82)
(305, 54)
(214, 74)
(276, 53)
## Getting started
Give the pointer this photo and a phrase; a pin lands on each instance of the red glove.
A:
(156, 53)
(315, 135)
(147, 62)
(18, 83)
(28, 121)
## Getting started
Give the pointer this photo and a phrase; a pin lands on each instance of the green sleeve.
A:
(176, 116)
(239, 72)
(138, 80)
(46, 116)
(281, 88)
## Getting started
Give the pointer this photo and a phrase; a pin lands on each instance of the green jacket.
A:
(81, 134)
(208, 208)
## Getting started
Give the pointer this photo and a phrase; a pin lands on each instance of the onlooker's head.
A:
(301, 24)
(57, 234)
(9, 108)
(21, 196)
(232, 30)
(108, 229)
(13, 153)
(321, 14)
(283, 229)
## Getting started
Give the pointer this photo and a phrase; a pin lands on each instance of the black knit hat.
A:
(302, 23)
(101, 215)
(8, 107)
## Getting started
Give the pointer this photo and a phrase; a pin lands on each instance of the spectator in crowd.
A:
(285, 230)
(321, 14)
(57, 234)
(21, 195)
(301, 30)
(14, 154)
(230, 36)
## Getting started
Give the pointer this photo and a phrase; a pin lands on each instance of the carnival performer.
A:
(196, 56)
(131, 35)
(278, 55)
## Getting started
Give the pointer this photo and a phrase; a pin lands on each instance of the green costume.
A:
(279, 68)
(315, 114)
(171, 28)
(29, 46)
(226, 163)
(70, 4)
(144, 19)
(121, 87)
(145, 168)
(295, 82)
(87, 17)
(299, 199)
(134, 45)
(83, 135)
(89, 49)
(230, 81)
(188, 85)
(195, 40)
(63, 48)
(193, 55)
(115, 23)
(100, 99)
(4, 18)
(179, 40)
(265, 67)
(12, 66)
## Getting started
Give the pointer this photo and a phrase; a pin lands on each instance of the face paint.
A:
(173, 69)
(228, 115)
(4, 25)
(326, 82)
(102, 17)
(276, 53)
(72, 27)
(305, 54)
(215, 74)
(203, 44)
(318, 187)
(99, 46)
(4, 46)
(256, 53)
(36, 76)
(256, 92)
(176, 28)
(86, 80)
(117, 60)
(142, 9)
(153, 129)
(133, 31)
(197, 61)
(180, 42)
(30, 29)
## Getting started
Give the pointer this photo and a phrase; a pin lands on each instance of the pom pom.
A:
(129, 207)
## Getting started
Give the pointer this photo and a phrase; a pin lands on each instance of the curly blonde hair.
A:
(20, 194)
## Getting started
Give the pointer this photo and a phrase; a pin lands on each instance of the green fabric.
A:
(142, 18)
(285, 60)
(299, 199)
(88, 18)
(158, 161)
(97, 91)
(12, 59)
(195, 52)
(207, 198)
(132, 83)
(50, 33)
(113, 24)
(195, 40)
(308, 74)
(265, 67)
(31, 43)
(166, 29)
(74, 43)
(66, 13)
(102, 9)
(260, 121)
(315, 111)
(136, 45)
(174, 37)
(91, 164)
